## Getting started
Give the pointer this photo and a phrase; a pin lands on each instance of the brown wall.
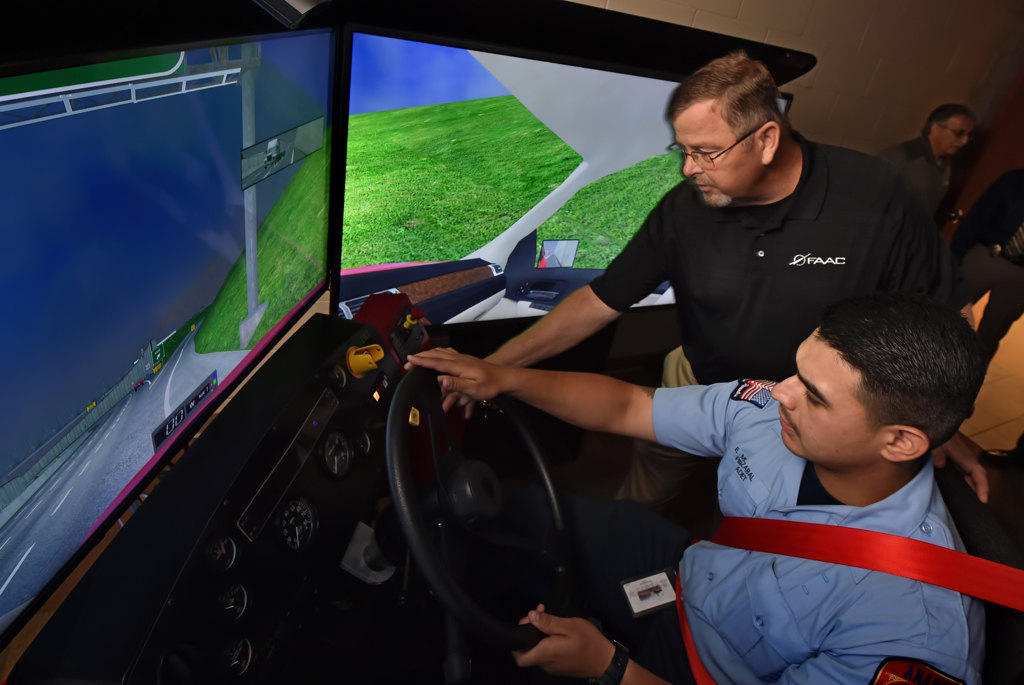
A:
(883, 65)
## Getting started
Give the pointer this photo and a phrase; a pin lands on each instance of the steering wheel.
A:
(467, 491)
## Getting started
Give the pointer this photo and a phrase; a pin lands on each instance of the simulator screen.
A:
(460, 164)
(163, 214)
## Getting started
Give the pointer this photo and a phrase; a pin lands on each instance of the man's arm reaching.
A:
(586, 400)
(577, 317)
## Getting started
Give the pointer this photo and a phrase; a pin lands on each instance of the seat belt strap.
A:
(868, 549)
(700, 674)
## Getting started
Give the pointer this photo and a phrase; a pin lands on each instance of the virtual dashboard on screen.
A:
(460, 164)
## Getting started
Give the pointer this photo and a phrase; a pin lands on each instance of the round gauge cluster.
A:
(237, 657)
(297, 523)
(233, 601)
(340, 451)
(221, 554)
(295, 526)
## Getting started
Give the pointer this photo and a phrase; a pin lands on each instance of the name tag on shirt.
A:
(649, 593)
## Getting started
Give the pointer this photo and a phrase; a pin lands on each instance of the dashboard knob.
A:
(362, 360)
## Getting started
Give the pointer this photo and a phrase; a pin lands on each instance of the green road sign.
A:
(117, 71)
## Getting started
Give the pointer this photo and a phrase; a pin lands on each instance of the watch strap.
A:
(616, 669)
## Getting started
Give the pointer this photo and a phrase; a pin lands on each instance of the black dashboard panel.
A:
(231, 570)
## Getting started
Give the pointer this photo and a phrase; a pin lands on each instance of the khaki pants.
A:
(656, 471)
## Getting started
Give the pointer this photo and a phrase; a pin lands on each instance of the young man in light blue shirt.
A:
(845, 442)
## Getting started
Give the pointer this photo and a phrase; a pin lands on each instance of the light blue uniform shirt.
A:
(759, 617)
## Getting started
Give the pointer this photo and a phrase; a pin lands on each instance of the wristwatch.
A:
(616, 669)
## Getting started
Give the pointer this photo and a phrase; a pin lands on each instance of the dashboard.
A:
(253, 560)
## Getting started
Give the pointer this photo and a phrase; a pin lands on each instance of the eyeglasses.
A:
(706, 160)
(958, 132)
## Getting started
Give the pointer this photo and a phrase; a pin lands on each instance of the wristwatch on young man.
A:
(616, 669)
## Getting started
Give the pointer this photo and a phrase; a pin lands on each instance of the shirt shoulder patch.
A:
(754, 391)
(898, 670)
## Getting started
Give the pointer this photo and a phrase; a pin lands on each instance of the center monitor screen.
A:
(165, 217)
(487, 185)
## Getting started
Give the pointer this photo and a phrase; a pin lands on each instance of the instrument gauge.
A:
(297, 523)
(221, 554)
(338, 454)
(237, 657)
(232, 601)
(365, 445)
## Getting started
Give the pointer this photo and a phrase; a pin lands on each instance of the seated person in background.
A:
(845, 442)
(926, 163)
(766, 229)
(990, 247)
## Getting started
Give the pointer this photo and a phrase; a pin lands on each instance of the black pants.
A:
(1004, 282)
(613, 541)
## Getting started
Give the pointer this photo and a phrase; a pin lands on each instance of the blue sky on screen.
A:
(390, 73)
(110, 215)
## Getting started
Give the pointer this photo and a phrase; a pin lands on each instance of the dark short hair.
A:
(744, 87)
(942, 114)
(918, 358)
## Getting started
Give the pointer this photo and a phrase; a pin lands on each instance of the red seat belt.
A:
(700, 674)
(893, 554)
(867, 549)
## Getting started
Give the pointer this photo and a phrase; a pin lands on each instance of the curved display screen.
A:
(460, 160)
(166, 218)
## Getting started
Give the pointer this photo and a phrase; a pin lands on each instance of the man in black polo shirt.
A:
(765, 232)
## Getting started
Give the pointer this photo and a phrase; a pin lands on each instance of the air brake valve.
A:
(410, 321)
(362, 360)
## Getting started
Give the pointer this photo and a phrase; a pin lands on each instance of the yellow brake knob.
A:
(410, 321)
(362, 360)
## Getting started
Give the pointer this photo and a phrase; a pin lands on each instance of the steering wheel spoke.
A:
(426, 412)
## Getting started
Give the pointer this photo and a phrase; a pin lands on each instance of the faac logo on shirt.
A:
(809, 260)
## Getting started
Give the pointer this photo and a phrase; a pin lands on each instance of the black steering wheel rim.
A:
(419, 389)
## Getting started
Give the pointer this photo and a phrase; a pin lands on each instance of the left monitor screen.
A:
(165, 216)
